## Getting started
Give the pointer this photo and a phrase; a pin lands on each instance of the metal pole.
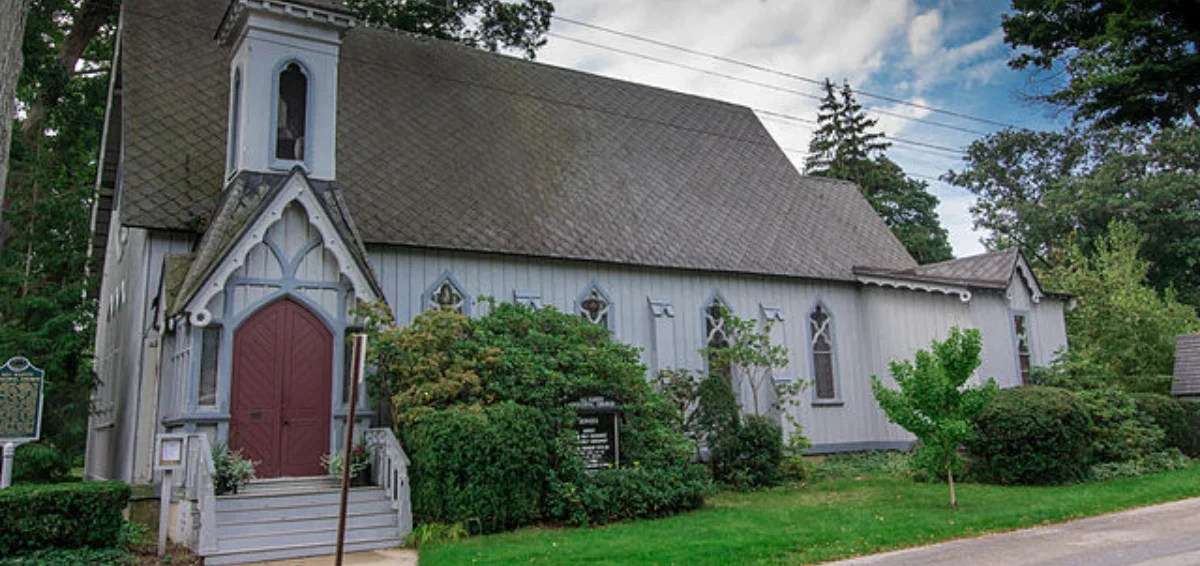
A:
(6, 475)
(356, 368)
(164, 512)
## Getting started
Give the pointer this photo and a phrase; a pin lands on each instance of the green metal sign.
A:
(21, 387)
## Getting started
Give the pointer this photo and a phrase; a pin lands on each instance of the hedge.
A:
(485, 466)
(1170, 415)
(73, 515)
(1032, 436)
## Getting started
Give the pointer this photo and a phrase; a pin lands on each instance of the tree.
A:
(1037, 188)
(1120, 327)
(1126, 61)
(12, 33)
(486, 24)
(934, 403)
(750, 355)
(845, 147)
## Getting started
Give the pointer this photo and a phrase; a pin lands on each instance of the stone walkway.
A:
(395, 557)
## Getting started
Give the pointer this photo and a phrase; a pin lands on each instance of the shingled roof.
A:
(447, 147)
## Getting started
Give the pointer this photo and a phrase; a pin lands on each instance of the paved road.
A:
(1164, 535)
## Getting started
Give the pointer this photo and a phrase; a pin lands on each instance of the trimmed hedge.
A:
(485, 466)
(749, 456)
(39, 463)
(73, 515)
(1033, 436)
(1169, 414)
(628, 493)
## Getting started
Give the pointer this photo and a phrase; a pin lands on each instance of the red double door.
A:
(281, 399)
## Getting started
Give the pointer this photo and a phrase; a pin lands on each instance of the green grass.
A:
(837, 518)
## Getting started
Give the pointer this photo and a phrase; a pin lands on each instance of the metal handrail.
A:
(389, 470)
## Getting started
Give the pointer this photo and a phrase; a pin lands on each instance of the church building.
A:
(267, 164)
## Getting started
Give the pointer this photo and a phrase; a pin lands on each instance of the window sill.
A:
(828, 403)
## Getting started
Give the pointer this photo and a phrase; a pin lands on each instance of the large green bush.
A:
(1120, 432)
(36, 517)
(1169, 414)
(1031, 436)
(1191, 410)
(488, 466)
(484, 408)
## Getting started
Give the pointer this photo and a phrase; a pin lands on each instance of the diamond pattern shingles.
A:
(448, 147)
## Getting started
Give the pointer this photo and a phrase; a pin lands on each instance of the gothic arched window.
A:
(821, 336)
(716, 334)
(595, 306)
(446, 295)
(292, 113)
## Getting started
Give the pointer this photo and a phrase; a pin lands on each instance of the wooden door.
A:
(281, 399)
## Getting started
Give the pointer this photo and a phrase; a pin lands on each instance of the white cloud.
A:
(923, 33)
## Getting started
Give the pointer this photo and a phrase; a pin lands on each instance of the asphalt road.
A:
(1163, 535)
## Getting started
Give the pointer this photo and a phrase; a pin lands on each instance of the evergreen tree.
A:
(846, 146)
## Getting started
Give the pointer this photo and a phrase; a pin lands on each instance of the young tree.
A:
(844, 146)
(1121, 327)
(1128, 62)
(750, 355)
(934, 402)
(487, 24)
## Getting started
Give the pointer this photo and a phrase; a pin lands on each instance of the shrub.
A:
(796, 469)
(630, 492)
(487, 466)
(1191, 410)
(1156, 462)
(750, 456)
(1120, 432)
(1032, 435)
(231, 469)
(73, 557)
(39, 463)
(71, 515)
(1169, 415)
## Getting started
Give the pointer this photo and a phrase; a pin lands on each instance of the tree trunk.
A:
(12, 35)
(953, 498)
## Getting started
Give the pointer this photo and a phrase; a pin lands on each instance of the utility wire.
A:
(765, 69)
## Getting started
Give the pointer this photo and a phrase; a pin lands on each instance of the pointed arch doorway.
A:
(282, 390)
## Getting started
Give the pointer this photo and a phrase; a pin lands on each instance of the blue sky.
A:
(946, 54)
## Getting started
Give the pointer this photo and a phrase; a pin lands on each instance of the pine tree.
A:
(847, 146)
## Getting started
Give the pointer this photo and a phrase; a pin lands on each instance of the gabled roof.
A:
(244, 202)
(992, 271)
(443, 146)
(1187, 365)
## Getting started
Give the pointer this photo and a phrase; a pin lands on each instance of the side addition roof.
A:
(990, 271)
(443, 146)
(1187, 365)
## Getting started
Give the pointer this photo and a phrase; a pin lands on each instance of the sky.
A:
(944, 54)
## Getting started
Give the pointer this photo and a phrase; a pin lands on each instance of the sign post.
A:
(21, 386)
(358, 363)
(168, 458)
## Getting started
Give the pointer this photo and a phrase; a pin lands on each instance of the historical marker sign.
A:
(597, 432)
(21, 387)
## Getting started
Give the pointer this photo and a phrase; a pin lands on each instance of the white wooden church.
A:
(268, 163)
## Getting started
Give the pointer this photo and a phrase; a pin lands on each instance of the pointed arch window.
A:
(595, 306)
(291, 114)
(716, 333)
(821, 343)
(1024, 353)
(447, 294)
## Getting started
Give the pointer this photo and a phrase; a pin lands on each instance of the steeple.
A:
(283, 77)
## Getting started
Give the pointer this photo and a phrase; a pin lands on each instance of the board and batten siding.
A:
(121, 434)
(872, 326)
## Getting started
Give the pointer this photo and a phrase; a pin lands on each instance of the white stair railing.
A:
(389, 470)
(201, 493)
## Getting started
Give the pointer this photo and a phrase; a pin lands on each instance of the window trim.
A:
(1016, 342)
(199, 351)
(446, 276)
(836, 400)
(587, 290)
(286, 164)
(233, 140)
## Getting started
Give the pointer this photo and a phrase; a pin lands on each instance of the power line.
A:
(762, 68)
(751, 81)
(781, 117)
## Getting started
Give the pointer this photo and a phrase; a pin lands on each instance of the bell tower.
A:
(283, 77)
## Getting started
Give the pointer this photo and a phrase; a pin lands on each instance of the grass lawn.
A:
(827, 520)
